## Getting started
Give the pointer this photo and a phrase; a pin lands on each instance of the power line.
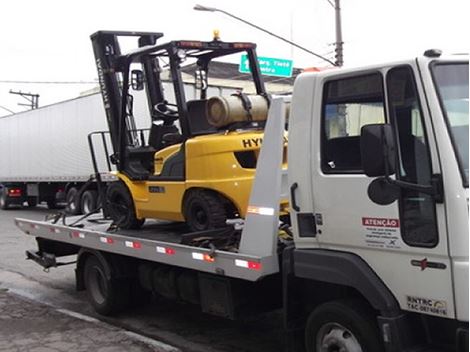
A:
(4, 108)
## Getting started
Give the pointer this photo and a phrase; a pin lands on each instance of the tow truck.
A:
(376, 257)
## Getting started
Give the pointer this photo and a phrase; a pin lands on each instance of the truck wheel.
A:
(106, 294)
(88, 202)
(4, 203)
(347, 326)
(204, 210)
(73, 203)
(121, 207)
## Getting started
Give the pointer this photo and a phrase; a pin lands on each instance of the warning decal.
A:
(382, 232)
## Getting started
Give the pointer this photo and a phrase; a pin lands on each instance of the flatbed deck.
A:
(158, 241)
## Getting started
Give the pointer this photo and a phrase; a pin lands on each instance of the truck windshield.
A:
(451, 81)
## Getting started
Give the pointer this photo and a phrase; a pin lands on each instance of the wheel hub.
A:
(334, 337)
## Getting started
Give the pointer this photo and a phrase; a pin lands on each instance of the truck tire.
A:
(73, 203)
(121, 207)
(88, 202)
(4, 203)
(204, 210)
(343, 325)
(106, 294)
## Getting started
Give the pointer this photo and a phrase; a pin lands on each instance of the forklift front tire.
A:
(121, 207)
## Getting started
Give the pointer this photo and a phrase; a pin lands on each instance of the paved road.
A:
(28, 326)
(180, 325)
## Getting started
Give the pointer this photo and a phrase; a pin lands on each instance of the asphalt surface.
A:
(173, 324)
(28, 326)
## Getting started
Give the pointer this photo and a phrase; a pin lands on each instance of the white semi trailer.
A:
(45, 154)
(377, 255)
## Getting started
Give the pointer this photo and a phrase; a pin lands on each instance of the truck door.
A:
(405, 242)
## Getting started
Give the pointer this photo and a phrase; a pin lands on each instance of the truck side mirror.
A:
(378, 150)
(137, 80)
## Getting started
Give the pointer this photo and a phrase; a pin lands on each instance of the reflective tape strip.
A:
(163, 250)
(131, 244)
(107, 240)
(241, 263)
(198, 256)
(203, 257)
(260, 210)
(77, 234)
(34, 226)
(53, 230)
(247, 264)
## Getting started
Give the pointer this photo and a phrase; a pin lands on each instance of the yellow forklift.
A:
(186, 169)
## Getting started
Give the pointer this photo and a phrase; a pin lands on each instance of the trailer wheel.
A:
(88, 203)
(344, 325)
(106, 294)
(204, 210)
(4, 203)
(73, 204)
(121, 207)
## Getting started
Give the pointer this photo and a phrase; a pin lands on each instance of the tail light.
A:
(14, 192)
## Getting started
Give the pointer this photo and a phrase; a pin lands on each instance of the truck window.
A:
(349, 104)
(418, 218)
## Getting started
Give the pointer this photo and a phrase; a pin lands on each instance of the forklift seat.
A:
(158, 133)
(197, 118)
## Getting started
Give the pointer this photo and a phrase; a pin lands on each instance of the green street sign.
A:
(269, 66)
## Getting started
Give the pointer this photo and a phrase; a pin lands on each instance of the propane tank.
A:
(222, 111)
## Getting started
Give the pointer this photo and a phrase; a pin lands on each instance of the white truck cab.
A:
(406, 227)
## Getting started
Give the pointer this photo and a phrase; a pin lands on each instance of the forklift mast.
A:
(115, 78)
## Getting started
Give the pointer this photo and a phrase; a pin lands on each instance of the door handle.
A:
(293, 187)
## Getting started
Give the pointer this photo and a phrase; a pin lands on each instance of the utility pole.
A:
(339, 36)
(33, 99)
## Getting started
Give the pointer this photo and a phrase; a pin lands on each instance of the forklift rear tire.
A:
(121, 207)
(106, 294)
(204, 210)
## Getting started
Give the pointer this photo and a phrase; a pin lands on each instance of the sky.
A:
(48, 40)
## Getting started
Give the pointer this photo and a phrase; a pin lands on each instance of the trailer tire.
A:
(106, 294)
(121, 208)
(343, 325)
(4, 203)
(88, 202)
(73, 203)
(204, 210)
